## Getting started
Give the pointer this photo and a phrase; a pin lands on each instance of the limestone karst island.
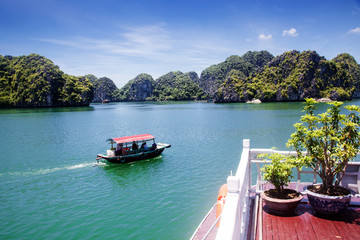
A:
(35, 81)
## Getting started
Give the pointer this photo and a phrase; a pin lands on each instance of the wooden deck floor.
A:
(206, 225)
(305, 223)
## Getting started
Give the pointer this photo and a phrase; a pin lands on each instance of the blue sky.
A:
(121, 39)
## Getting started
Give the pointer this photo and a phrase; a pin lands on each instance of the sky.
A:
(121, 39)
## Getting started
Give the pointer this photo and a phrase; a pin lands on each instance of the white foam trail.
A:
(101, 164)
(83, 165)
(49, 170)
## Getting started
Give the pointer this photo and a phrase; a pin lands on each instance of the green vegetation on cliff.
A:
(294, 76)
(34, 81)
(212, 77)
(347, 77)
(104, 88)
(291, 76)
(138, 89)
(177, 86)
(172, 86)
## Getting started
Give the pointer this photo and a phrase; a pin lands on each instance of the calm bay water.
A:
(52, 188)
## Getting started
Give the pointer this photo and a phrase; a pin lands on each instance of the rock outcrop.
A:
(138, 89)
(34, 81)
(104, 89)
(212, 78)
(177, 86)
(294, 76)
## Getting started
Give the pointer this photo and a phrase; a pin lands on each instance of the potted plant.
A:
(326, 143)
(279, 200)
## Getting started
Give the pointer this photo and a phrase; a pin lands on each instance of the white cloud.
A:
(153, 49)
(354, 31)
(144, 41)
(291, 32)
(265, 37)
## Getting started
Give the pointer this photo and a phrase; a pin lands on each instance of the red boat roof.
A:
(141, 137)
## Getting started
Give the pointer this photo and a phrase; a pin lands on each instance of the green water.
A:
(52, 188)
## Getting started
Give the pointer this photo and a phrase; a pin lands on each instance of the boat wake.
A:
(49, 170)
(83, 165)
(100, 164)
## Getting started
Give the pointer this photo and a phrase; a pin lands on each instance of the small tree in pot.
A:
(280, 200)
(330, 140)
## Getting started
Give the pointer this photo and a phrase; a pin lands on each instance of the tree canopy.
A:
(34, 81)
(294, 76)
(176, 86)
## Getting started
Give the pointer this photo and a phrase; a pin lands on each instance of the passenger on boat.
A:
(154, 146)
(119, 149)
(134, 146)
(144, 147)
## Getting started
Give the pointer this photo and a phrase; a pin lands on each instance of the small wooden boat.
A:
(128, 150)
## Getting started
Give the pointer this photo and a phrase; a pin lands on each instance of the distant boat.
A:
(128, 149)
(106, 101)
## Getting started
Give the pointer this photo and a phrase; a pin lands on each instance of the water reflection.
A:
(45, 110)
(263, 106)
(128, 173)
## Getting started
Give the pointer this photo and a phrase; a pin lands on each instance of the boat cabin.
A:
(132, 144)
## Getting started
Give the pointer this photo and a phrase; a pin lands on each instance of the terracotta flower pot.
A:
(328, 204)
(281, 206)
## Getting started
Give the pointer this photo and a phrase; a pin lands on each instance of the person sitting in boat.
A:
(154, 146)
(119, 149)
(144, 147)
(134, 146)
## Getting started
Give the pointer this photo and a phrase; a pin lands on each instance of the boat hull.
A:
(134, 157)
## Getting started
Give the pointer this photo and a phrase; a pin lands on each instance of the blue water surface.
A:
(52, 187)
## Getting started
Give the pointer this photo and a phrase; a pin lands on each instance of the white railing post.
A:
(234, 214)
(245, 184)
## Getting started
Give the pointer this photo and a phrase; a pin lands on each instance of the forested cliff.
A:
(138, 89)
(172, 86)
(291, 76)
(34, 81)
(214, 76)
(104, 88)
(294, 76)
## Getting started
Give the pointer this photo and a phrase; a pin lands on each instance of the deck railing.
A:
(235, 215)
(235, 218)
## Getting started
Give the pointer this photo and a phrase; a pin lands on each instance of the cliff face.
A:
(291, 76)
(213, 77)
(104, 89)
(34, 81)
(294, 76)
(349, 73)
(171, 86)
(177, 86)
(193, 76)
(228, 90)
(138, 89)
